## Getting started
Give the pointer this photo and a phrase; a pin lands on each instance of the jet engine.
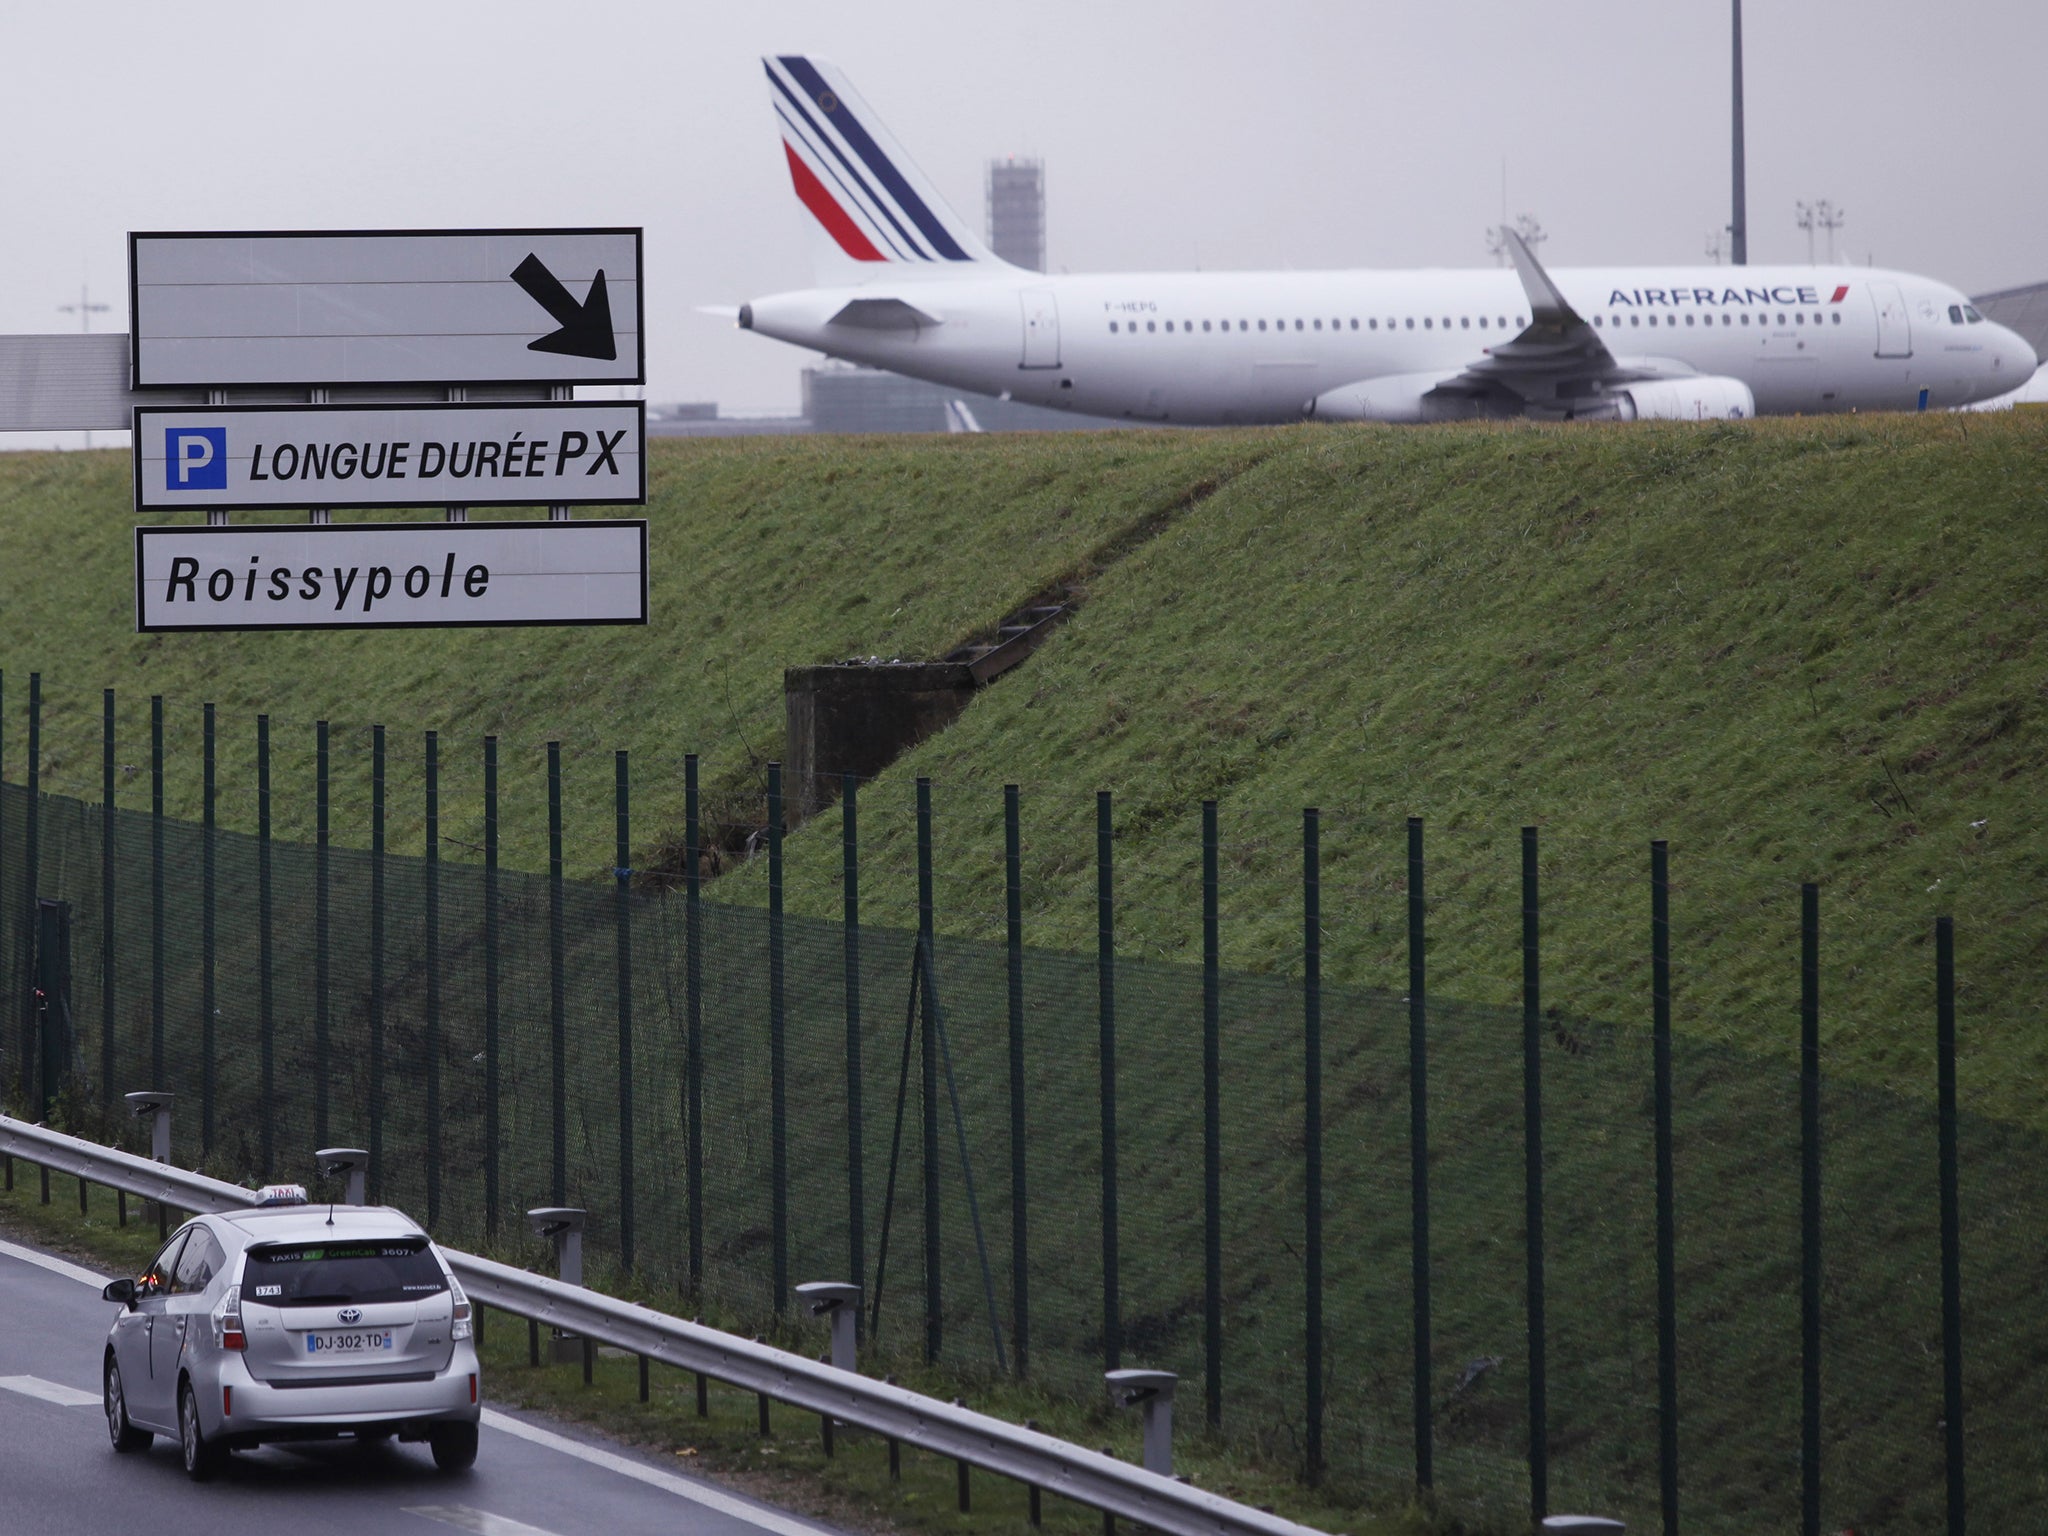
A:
(1702, 397)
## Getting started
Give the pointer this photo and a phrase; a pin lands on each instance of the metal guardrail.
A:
(943, 1429)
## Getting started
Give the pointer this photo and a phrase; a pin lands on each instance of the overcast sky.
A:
(1196, 133)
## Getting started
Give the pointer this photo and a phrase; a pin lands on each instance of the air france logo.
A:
(195, 458)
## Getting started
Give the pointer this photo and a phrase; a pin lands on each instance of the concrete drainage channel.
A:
(858, 716)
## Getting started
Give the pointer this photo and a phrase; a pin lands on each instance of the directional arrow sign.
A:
(387, 307)
(586, 328)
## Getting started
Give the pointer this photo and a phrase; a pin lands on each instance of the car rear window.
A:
(337, 1274)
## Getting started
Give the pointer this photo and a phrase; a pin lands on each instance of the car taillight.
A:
(227, 1320)
(461, 1327)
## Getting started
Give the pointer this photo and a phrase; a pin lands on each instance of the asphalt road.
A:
(60, 1477)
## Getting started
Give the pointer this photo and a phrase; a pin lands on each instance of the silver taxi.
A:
(291, 1321)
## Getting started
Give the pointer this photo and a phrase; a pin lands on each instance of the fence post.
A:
(558, 1002)
(856, 1165)
(622, 873)
(492, 1128)
(1105, 1003)
(1312, 1122)
(266, 993)
(1951, 1219)
(322, 914)
(1418, 1154)
(156, 883)
(106, 898)
(209, 1004)
(934, 1333)
(30, 1023)
(778, 1065)
(432, 1038)
(376, 961)
(1020, 1203)
(1809, 1207)
(1532, 1154)
(693, 988)
(1212, 1120)
(1667, 1224)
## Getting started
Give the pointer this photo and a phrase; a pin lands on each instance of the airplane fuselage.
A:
(1263, 346)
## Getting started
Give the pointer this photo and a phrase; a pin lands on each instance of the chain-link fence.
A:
(745, 1099)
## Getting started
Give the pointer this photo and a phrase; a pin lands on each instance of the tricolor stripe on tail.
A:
(864, 192)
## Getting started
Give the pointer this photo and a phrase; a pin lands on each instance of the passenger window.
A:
(1838, 317)
(201, 1261)
(1427, 323)
(1319, 325)
(1688, 320)
(1482, 321)
(1464, 322)
(1800, 316)
(1112, 327)
(1297, 325)
(1354, 322)
(1169, 327)
(1262, 325)
(1781, 319)
(1503, 322)
(156, 1279)
(1410, 322)
(1635, 319)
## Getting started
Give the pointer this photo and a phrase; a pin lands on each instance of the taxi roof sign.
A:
(280, 1194)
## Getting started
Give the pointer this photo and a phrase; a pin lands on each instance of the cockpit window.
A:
(1955, 314)
(1971, 312)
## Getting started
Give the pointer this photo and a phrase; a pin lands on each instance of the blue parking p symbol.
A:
(196, 458)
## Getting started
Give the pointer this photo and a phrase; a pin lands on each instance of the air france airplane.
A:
(903, 284)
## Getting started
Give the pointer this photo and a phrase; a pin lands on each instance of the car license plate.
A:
(364, 1342)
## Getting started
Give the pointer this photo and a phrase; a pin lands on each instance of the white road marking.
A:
(481, 1521)
(49, 1391)
(683, 1488)
(62, 1267)
(668, 1482)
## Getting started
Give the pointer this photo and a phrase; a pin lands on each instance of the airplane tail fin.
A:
(870, 208)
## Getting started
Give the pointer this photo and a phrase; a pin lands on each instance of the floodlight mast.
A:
(1738, 225)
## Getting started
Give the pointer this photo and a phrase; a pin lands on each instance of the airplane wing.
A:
(1556, 365)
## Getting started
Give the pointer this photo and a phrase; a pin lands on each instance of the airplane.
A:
(903, 284)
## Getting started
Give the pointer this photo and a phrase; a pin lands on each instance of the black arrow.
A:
(586, 328)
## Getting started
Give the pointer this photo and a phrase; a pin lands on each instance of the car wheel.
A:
(202, 1459)
(120, 1430)
(453, 1444)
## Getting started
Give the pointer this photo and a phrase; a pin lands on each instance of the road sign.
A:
(562, 453)
(387, 307)
(391, 576)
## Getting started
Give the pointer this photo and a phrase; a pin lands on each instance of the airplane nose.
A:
(2024, 359)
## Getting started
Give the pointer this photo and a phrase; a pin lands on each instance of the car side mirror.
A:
(122, 1290)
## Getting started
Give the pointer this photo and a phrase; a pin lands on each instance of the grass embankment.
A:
(1797, 650)
(787, 1466)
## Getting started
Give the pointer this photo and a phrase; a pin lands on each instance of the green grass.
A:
(1803, 650)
